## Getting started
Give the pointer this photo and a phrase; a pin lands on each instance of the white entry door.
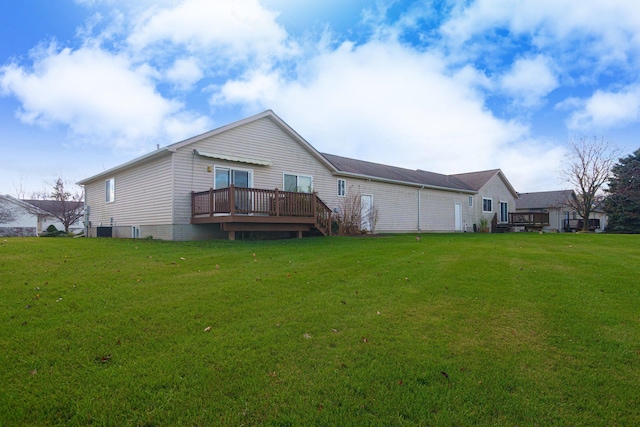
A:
(458, 217)
(366, 206)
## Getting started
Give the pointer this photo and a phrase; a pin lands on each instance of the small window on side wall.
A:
(470, 201)
(487, 204)
(342, 185)
(110, 190)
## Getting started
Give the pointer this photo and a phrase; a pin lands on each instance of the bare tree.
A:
(353, 217)
(349, 215)
(587, 167)
(63, 204)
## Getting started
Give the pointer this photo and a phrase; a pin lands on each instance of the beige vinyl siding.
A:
(438, 210)
(496, 190)
(142, 196)
(260, 140)
(397, 205)
(265, 140)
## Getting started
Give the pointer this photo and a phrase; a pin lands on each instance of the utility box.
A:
(104, 232)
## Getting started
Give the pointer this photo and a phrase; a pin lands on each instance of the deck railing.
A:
(255, 201)
(531, 219)
(578, 224)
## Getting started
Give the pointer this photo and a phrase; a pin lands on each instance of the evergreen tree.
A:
(622, 205)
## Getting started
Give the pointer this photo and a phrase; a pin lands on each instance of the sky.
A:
(448, 86)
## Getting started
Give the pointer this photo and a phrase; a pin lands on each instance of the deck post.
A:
(193, 203)
(211, 207)
(232, 235)
(277, 201)
(232, 201)
(314, 205)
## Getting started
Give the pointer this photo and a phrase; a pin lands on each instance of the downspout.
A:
(85, 220)
(419, 206)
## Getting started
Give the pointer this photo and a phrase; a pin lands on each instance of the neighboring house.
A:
(258, 174)
(56, 209)
(556, 203)
(31, 217)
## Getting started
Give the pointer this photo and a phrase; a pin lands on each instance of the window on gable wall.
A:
(487, 204)
(110, 190)
(298, 183)
(342, 187)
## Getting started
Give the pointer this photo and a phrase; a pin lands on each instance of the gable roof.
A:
(23, 204)
(175, 146)
(544, 199)
(343, 166)
(477, 180)
(53, 206)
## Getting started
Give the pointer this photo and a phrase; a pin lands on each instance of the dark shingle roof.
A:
(475, 180)
(393, 173)
(51, 206)
(543, 199)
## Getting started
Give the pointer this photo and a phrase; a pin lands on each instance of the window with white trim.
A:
(504, 212)
(470, 201)
(224, 177)
(110, 190)
(342, 187)
(487, 204)
(298, 183)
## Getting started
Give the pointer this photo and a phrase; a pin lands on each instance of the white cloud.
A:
(605, 29)
(606, 109)
(184, 73)
(530, 80)
(533, 165)
(387, 103)
(101, 96)
(236, 29)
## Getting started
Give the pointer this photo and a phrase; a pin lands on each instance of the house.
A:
(31, 217)
(258, 174)
(562, 217)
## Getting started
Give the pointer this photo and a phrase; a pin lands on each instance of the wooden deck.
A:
(529, 219)
(571, 225)
(254, 209)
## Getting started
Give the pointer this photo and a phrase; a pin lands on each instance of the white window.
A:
(298, 183)
(110, 190)
(487, 204)
(504, 212)
(342, 185)
(470, 201)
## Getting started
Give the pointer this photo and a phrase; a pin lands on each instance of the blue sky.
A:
(448, 86)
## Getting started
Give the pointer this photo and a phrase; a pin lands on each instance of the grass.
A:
(514, 329)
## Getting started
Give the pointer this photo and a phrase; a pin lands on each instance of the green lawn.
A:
(468, 329)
